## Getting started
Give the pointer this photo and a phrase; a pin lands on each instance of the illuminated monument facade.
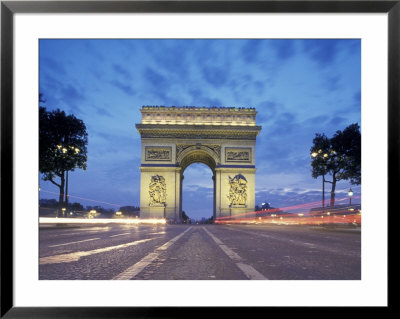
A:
(172, 138)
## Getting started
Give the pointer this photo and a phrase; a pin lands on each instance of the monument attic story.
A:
(193, 115)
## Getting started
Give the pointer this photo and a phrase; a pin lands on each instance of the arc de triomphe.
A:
(172, 138)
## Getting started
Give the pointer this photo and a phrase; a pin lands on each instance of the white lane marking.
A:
(136, 268)
(74, 242)
(71, 257)
(120, 234)
(248, 270)
(297, 243)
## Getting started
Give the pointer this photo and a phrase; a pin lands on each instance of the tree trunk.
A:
(66, 194)
(61, 196)
(332, 203)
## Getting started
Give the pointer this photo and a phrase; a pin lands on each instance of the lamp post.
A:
(350, 193)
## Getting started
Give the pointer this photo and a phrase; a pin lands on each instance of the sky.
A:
(299, 87)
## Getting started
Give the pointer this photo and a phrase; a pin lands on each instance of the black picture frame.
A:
(9, 8)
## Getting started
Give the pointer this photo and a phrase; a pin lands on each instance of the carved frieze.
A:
(157, 191)
(237, 190)
(213, 147)
(158, 153)
(238, 154)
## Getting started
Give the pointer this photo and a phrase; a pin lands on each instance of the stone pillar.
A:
(226, 206)
(214, 197)
(181, 177)
(217, 191)
(169, 206)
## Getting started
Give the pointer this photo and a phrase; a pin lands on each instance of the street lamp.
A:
(350, 193)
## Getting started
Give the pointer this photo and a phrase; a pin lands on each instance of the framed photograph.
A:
(306, 68)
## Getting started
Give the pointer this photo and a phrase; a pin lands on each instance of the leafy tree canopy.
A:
(339, 156)
(62, 143)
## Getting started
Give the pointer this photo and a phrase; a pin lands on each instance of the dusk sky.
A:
(299, 88)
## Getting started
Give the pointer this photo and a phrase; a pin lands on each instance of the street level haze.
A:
(199, 252)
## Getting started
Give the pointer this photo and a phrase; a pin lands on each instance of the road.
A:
(199, 252)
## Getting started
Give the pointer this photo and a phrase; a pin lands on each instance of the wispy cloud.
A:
(124, 87)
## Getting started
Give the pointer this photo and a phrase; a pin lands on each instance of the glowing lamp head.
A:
(350, 193)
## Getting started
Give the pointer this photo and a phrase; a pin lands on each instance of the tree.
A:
(130, 210)
(339, 156)
(62, 146)
(185, 217)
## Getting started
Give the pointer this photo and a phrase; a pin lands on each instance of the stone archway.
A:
(174, 137)
(198, 154)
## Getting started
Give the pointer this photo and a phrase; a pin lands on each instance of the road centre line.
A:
(248, 270)
(75, 256)
(74, 242)
(136, 268)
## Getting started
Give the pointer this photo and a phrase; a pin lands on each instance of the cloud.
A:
(122, 71)
(266, 111)
(215, 76)
(103, 112)
(72, 97)
(337, 121)
(357, 98)
(332, 83)
(322, 51)
(127, 89)
(319, 119)
(155, 79)
(284, 49)
(199, 98)
(51, 66)
(251, 50)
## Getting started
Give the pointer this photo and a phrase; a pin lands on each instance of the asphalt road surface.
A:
(199, 252)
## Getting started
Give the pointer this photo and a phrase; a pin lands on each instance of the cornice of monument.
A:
(197, 131)
(196, 127)
(197, 108)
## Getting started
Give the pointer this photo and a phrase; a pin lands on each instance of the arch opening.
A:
(198, 193)
(196, 156)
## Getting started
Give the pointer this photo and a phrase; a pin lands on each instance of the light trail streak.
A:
(56, 220)
(299, 215)
(354, 219)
